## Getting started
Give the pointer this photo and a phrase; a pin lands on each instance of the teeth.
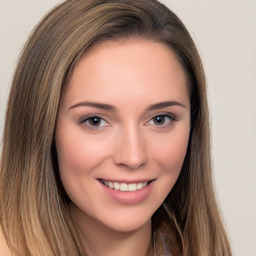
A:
(140, 186)
(132, 187)
(110, 184)
(116, 185)
(106, 183)
(124, 186)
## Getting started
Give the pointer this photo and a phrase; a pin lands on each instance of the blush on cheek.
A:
(173, 154)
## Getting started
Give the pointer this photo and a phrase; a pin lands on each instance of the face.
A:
(122, 132)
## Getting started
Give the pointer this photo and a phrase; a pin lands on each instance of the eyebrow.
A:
(165, 104)
(94, 105)
(108, 107)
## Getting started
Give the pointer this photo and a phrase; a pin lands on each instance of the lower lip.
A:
(133, 197)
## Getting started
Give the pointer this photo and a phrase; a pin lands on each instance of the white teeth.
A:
(111, 185)
(140, 185)
(132, 187)
(116, 186)
(124, 186)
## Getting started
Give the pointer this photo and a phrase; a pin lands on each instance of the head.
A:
(53, 52)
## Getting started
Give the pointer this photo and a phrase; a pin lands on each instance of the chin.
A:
(129, 226)
(127, 221)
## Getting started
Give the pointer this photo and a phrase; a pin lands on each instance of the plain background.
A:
(225, 34)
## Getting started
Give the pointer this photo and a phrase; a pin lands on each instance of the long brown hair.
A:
(34, 208)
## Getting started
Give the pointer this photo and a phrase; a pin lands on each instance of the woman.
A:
(106, 140)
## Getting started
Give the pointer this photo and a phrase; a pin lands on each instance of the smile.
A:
(124, 187)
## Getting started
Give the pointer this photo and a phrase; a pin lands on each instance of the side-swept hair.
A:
(34, 208)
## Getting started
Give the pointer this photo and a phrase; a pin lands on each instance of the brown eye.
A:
(162, 120)
(159, 120)
(95, 121)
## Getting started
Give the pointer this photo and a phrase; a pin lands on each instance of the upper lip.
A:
(127, 181)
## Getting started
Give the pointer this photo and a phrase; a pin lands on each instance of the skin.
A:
(4, 250)
(136, 139)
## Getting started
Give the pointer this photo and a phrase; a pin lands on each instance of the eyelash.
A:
(172, 118)
(92, 127)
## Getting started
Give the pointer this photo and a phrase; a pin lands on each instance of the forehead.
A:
(136, 68)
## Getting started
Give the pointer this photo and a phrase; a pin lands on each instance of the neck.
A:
(101, 240)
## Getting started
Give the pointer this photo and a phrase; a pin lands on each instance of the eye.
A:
(161, 120)
(95, 122)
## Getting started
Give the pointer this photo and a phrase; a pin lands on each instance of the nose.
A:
(130, 151)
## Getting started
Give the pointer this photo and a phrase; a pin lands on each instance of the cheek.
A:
(167, 153)
(170, 153)
(77, 153)
(78, 156)
(170, 156)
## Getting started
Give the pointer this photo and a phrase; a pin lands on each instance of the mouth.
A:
(125, 187)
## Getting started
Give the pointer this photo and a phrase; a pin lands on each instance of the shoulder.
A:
(4, 250)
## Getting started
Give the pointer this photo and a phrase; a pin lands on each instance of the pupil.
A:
(95, 121)
(159, 120)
